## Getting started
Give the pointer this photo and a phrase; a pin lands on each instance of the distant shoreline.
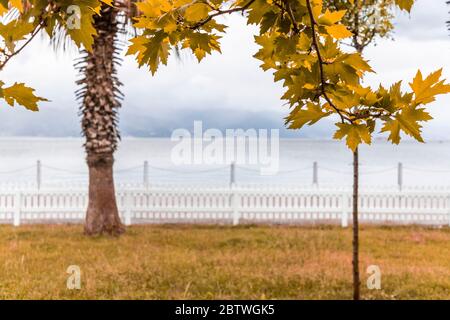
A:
(376, 140)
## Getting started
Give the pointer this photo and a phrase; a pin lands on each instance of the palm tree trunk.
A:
(100, 101)
(356, 280)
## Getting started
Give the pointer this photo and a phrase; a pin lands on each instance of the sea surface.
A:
(63, 160)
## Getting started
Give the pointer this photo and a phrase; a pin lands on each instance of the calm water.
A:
(63, 160)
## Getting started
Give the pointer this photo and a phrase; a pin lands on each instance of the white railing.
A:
(235, 205)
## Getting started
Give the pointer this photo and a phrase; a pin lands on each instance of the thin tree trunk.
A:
(100, 101)
(356, 280)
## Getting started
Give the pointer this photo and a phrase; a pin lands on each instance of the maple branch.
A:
(12, 54)
(355, 30)
(369, 38)
(209, 4)
(321, 63)
(364, 114)
(221, 12)
(291, 16)
(280, 6)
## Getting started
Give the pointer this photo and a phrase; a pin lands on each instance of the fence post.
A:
(344, 210)
(146, 174)
(400, 176)
(17, 209)
(235, 204)
(127, 198)
(448, 210)
(232, 174)
(38, 174)
(315, 174)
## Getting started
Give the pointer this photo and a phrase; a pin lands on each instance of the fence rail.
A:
(46, 176)
(233, 205)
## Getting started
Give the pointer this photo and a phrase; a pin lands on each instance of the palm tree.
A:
(100, 99)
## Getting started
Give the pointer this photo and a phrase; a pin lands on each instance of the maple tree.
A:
(367, 20)
(300, 42)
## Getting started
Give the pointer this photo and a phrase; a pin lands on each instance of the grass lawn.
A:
(213, 262)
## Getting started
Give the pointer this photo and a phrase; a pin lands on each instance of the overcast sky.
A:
(225, 91)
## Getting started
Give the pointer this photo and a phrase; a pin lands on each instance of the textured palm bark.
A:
(100, 96)
(102, 214)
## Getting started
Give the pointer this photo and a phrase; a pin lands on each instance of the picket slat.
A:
(263, 204)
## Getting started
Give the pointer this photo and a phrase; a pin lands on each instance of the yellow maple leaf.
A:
(426, 90)
(354, 133)
(18, 4)
(338, 31)
(405, 4)
(331, 17)
(197, 12)
(22, 95)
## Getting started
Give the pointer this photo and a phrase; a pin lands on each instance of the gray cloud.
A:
(426, 22)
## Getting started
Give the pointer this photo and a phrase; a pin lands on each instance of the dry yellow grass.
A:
(212, 262)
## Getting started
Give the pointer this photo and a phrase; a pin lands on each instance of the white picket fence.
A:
(235, 205)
